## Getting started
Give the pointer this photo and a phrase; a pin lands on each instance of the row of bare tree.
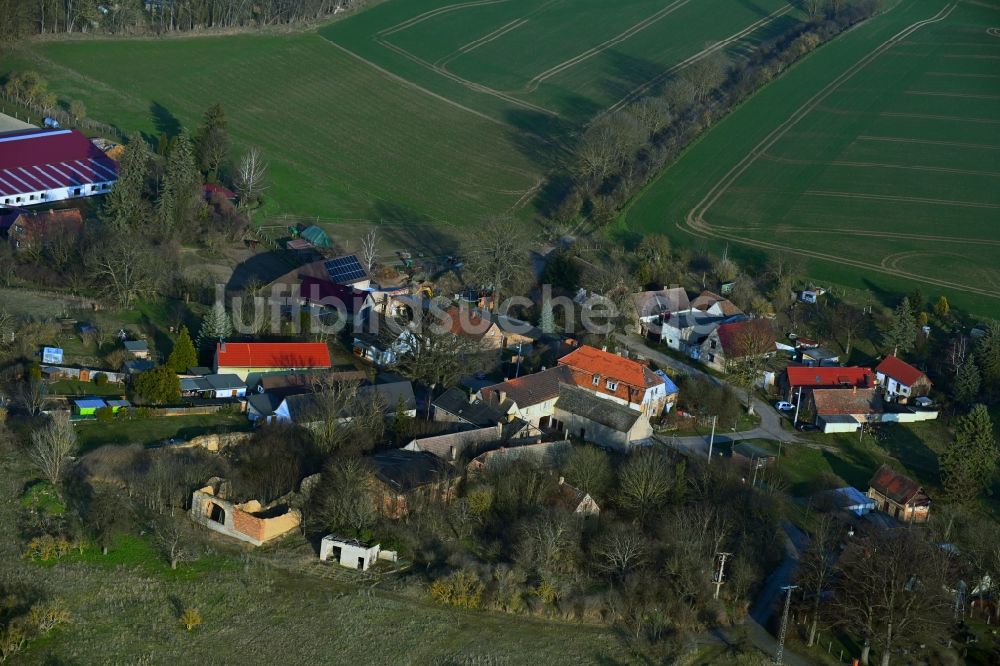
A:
(129, 17)
(621, 151)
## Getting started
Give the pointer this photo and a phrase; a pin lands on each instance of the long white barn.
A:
(41, 166)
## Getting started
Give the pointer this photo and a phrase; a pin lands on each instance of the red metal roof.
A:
(272, 355)
(39, 160)
(901, 371)
(819, 377)
(899, 488)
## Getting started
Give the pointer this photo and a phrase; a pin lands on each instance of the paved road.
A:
(770, 420)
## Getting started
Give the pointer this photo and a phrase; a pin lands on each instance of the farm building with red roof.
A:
(899, 496)
(254, 358)
(42, 166)
(900, 381)
(805, 379)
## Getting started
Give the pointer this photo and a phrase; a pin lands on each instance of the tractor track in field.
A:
(420, 18)
(471, 85)
(900, 199)
(696, 224)
(533, 84)
(928, 142)
(381, 35)
(663, 76)
(879, 165)
(930, 93)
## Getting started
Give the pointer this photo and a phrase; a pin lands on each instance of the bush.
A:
(47, 548)
(190, 618)
(100, 379)
(462, 589)
(105, 414)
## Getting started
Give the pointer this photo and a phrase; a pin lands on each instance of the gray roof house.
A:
(455, 446)
(588, 417)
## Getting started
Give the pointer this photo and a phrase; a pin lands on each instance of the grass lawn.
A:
(868, 169)
(76, 387)
(911, 448)
(92, 434)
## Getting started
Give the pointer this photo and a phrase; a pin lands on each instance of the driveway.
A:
(770, 420)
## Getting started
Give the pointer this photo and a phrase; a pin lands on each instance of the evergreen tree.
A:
(181, 183)
(546, 322)
(966, 386)
(968, 464)
(183, 355)
(212, 142)
(123, 207)
(157, 385)
(215, 326)
(902, 332)
(988, 354)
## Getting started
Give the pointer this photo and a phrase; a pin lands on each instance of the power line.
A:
(784, 624)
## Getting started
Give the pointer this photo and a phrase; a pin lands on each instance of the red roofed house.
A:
(900, 380)
(735, 341)
(39, 166)
(625, 381)
(245, 358)
(899, 496)
(31, 230)
(801, 380)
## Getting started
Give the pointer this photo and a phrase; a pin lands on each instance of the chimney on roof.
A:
(472, 398)
(502, 395)
(222, 346)
(453, 452)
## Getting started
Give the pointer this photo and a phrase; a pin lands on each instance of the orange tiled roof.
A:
(596, 362)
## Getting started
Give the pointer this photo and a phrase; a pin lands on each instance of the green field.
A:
(878, 158)
(541, 63)
(342, 138)
(411, 111)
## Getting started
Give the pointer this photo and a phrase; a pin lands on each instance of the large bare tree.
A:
(251, 177)
(52, 447)
(892, 590)
(498, 259)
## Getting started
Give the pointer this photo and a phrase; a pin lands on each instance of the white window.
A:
(611, 384)
(597, 380)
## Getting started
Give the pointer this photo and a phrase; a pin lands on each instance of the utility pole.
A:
(711, 440)
(517, 371)
(798, 404)
(784, 624)
(722, 569)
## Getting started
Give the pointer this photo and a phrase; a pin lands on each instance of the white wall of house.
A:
(892, 387)
(58, 194)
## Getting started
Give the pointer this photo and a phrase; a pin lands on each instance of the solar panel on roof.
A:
(344, 270)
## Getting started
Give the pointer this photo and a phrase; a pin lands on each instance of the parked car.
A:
(806, 427)
(783, 406)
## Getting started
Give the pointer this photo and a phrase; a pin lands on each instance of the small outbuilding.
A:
(88, 406)
(137, 348)
(351, 553)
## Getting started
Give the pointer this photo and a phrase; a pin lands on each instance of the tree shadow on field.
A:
(164, 121)
(628, 73)
(542, 138)
(405, 229)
